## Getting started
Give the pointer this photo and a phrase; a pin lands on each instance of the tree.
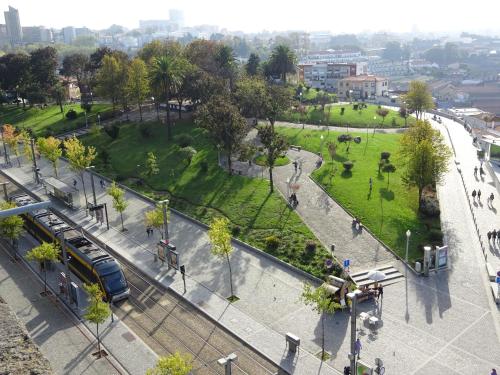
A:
(225, 126)
(76, 65)
(277, 101)
(382, 112)
(11, 227)
(175, 364)
(251, 96)
(151, 165)
(425, 154)
(220, 238)
(50, 149)
(97, 310)
(154, 218)
(59, 94)
(202, 53)
(393, 51)
(110, 79)
(186, 87)
(119, 202)
(15, 73)
(332, 150)
(418, 99)
(276, 145)
(388, 168)
(46, 252)
(80, 157)
(252, 66)
(282, 61)
(12, 139)
(226, 65)
(322, 303)
(43, 65)
(166, 76)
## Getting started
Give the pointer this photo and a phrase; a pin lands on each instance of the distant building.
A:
(68, 34)
(447, 94)
(177, 17)
(13, 25)
(83, 31)
(154, 25)
(332, 56)
(325, 76)
(389, 68)
(3, 35)
(363, 87)
(36, 34)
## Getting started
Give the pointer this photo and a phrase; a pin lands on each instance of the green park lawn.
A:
(49, 120)
(202, 193)
(355, 119)
(391, 209)
(281, 161)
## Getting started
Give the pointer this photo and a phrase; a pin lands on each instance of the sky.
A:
(273, 15)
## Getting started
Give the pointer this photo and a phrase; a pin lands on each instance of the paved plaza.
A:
(445, 323)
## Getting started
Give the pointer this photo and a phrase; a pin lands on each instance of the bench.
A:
(292, 341)
(491, 272)
(298, 148)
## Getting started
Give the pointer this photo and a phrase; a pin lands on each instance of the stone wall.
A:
(18, 354)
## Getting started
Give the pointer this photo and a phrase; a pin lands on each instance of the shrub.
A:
(435, 235)
(145, 130)
(344, 138)
(355, 107)
(310, 246)
(342, 110)
(236, 230)
(184, 140)
(385, 155)
(204, 166)
(187, 154)
(104, 156)
(357, 140)
(112, 130)
(71, 114)
(348, 165)
(272, 242)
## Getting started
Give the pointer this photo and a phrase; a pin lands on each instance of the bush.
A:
(342, 110)
(357, 140)
(204, 166)
(145, 130)
(393, 122)
(187, 154)
(348, 165)
(112, 130)
(272, 242)
(344, 138)
(384, 155)
(435, 235)
(184, 140)
(71, 114)
(310, 246)
(236, 230)
(355, 107)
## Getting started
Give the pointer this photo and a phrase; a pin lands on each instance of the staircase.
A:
(392, 276)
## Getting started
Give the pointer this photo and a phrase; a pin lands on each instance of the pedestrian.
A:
(148, 231)
(102, 184)
(295, 165)
(475, 171)
(371, 184)
(380, 292)
(489, 235)
(357, 348)
(494, 235)
(493, 372)
(474, 194)
(479, 195)
(74, 183)
(481, 171)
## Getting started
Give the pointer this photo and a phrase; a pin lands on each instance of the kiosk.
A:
(70, 196)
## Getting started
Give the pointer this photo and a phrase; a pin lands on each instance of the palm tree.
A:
(283, 61)
(166, 75)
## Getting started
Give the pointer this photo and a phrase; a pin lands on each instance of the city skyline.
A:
(324, 16)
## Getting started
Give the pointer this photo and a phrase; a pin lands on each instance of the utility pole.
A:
(5, 155)
(35, 167)
(164, 204)
(92, 183)
(352, 355)
(66, 266)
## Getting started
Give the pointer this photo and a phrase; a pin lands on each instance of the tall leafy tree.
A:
(119, 202)
(276, 146)
(15, 73)
(166, 76)
(253, 64)
(426, 156)
(323, 304)
(202, 54)
(220, 239)
(97, 310)
(77, 65)
(11, 227)
(43, 64)
(151, 165)
(174, 364)
(80, 157)
(138, 84)
(154, 218)
(187, 86)
(226, 65)
(46, 252)
(278, 100)
(110, 79)
(283, 61)
(251, 96)
(11, 138)
(224, 123)
(50, 148)
(419, 98)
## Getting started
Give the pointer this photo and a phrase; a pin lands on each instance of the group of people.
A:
(357, 224)
(493, 236)
(481, 171)
(478, 195)
(149, 231)
(101, 182)
(293, 200)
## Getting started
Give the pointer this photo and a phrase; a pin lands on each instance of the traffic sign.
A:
(347, 262)
(498, 280)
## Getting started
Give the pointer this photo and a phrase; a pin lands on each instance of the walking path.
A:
(334, 128)
(443, 323)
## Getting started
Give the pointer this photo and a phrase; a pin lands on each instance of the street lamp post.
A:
(374, 126)
(406, 113)
(35, 167)
(352, 355)
(321, 146)
(92, 183)
(5, 155)
(99, 119)
(227, 362)
(86, 122)
(164, 205)
(66, 265)
(408, 234)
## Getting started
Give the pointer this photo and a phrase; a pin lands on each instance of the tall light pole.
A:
(408, 234)
(92, 182)
(66, 266)
(321, 146)
(86, 122)
(227, 362)
(164, 205)
(99, 119)
(352, 355)
(35, 167)
(5, 155)
(374, 126)
(406, 113)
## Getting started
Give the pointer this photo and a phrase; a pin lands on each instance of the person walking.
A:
(493, 371)
(491, 198)
(74, 183)
(475, 171)
(380, 292)
(494, 236)
(371, 184)
(357, 348)
(474, 195)
(295, 165)
(102, 184)
(479, 195)
(489, 235)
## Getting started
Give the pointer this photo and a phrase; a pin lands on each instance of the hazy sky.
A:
(256, 15)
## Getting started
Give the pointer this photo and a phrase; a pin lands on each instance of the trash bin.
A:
(418, 267)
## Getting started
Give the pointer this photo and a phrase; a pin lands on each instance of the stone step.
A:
(392, 276)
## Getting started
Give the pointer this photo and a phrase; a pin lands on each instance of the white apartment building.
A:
(326, 76)
(333, 56)
(363, 87)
